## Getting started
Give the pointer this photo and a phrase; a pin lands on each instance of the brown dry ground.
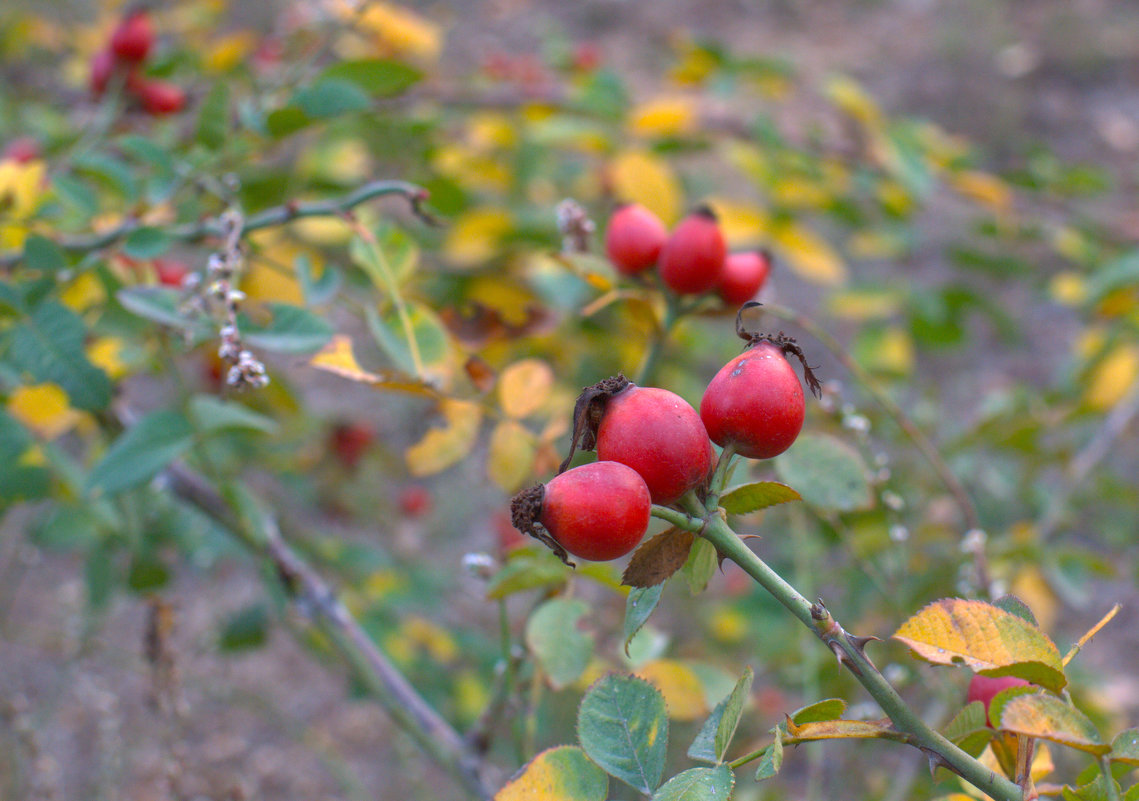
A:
(76, 720)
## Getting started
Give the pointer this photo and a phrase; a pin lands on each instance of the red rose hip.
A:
(692, 259)
(102, 67)
(160, 97)
(634, 238)
(743, 276)
(133, 38)
(597, 511)
(984, 688)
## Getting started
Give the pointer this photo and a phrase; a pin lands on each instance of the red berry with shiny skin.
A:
(133, 38)
(983, 688)
(634, 238)
(755, 403)
(692, 259)
(160, 97)
(598, 511)
(658, 434)
(102, 67)
(743, 276)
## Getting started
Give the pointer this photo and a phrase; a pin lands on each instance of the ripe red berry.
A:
(754, 403)
(102, 67)
(743, 276)
(983, 688)
(634, 238)
(350, 441)
(21, 150)
(133, 38)
(415, 500)
(170, 272)
(598, 511)
(693, 257)
(159, 97)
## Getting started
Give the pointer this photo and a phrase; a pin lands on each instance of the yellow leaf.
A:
(983, 187)
(337, 357)
(895, 198)
(1070, 243)
(680, 687)
(893, 352)
(728, 625)
(809, 255)
(664, 116)
(983, 637)
(563, 773)
(470, 694)
(524, 387)
(106, 353)
(841, 729)
(488, 131)
(749, 160)
(1113, 377)
(743, 224)
(228, 51)
(849, 96)
(44, 409)
(475, 235)
(21, 186)
(83, 293)
(1031, 587)
(1049, 718)
(510, 455)
(432, 638)
(1068, 288)
(863, 305)
(694, 66)
(396, 31)
(798, 192)
(640, 177)
(443, 446)
(322, 231)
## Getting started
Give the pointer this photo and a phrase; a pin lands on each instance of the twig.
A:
(847, 648)
(430, 731)
(268, 218)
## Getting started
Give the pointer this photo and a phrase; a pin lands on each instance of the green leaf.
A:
(431, 338)
(49, 346)
(1125, 748)
(1132, 793)
(378, 77)
(526, 572)
(19, 481)
(248, 628)
(701, 565)
(828, 472)
(733, 710)
(562, 649)
(146, 243)
(77, 193)
(66, 528)
(622, 724)
(285, 121)
(331, 97)
(141, 452)
(210, 413)
(1049, 718)
(1015, 606)
(110, 171)
(147, 573)
(563, 773)
(159, 305)
(317, 291)
(698, 784)
(40, 253)
(213, 119)
(772, 759)
(639, 605)
(99, 575)
(985, 638)
(293, 330)
(829, 709)
(753, 497)
(969, 729)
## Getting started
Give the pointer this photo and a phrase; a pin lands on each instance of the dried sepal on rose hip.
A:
(755, 402)
(655, 432)
(598, 511)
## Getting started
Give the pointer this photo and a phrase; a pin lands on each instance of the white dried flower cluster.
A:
(574, 225)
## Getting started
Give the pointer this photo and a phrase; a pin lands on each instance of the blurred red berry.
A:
(743, 276)
(21, 150)
(159, 97)
(634, 238)
(350, 441)
(170, 272)
(133, 38)
(102, 67)
(586, 57)
(693, 257)
(415, 500)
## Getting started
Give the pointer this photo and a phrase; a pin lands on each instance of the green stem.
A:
(671, 316)
(214, 226)
(1108, 779)
(848, 649)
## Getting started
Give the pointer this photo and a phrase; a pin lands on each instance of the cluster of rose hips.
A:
(654, 448)
(130, 45)
(692, 260)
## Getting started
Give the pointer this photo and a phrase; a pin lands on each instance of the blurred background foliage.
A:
(420, 373)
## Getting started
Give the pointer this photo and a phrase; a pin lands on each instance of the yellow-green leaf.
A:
(444, 446)
(681, 687)
(639, 177)
(809, 255)
(510, 456)
(1049, 718)
(842, 730)
(986, 638)
(337, 357)
(564, 773)
(524, 387)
